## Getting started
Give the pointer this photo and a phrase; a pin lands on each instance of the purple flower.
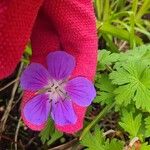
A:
(55, 93)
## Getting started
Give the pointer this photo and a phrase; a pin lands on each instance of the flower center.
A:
(55, 90)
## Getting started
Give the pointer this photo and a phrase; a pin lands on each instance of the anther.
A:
(49, 90)
(52, 85)
(56, 87)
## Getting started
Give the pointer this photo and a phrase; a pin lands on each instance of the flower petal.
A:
(34, 77)
(63, 112)
(37, 109)
(81, 91)
(60, 64)
(72, 128)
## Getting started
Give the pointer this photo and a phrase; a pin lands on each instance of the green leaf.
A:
(147, 126)
(118, 32)
(97, 141)
(131, 124)
(28, 50)
(46, 133)
(106, 95)
(55, 136)
(143, 9)
(145, 146)
(141, 53)
(99, 9)
(133, 80)
(105, 59)
(114, 144)
(93, 141)
(106, 10)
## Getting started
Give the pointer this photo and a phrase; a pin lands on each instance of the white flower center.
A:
(55, 90)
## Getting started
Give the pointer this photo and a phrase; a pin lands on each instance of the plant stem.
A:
(143, 9)
(100, 116)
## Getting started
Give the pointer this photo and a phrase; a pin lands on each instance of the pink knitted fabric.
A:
(60, 25)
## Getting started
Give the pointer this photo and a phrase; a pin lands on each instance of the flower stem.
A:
(100, 116)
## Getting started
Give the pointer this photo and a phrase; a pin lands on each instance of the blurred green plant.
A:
(122, 20)
(27, 54)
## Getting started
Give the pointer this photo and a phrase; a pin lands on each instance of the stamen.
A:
(56, 87)
(50, 100)
(55, 90)
(52, 85)
(61, 91)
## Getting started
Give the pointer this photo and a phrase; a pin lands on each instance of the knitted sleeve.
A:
(16, 21)
(76, 29)
(66, 25)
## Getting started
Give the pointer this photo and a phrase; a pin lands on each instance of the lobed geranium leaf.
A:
(106, 58)
(46, 133)
(97, 141)
(114, 144)
(55, 136)
(106, 95)
(141, 53)
(93, 141)
(133, 80)
(131, 124)
(49, 134)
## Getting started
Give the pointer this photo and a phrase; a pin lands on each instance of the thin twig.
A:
(65, 146)
(109, 132)
(30, 141)
(16, 133)
(8, 109)
(17, 100)
(9, 84)
(21, 145)
(135, 142)
(132, 142)
(122, 45)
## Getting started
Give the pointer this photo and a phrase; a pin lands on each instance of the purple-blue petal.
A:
(34, 77)
(37, 110)
(81, 91)
(60, 64)
(63, 113)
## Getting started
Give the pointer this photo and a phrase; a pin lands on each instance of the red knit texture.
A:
(60, 25)
(16, 22)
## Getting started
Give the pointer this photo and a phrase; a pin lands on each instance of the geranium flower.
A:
(55, 91)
